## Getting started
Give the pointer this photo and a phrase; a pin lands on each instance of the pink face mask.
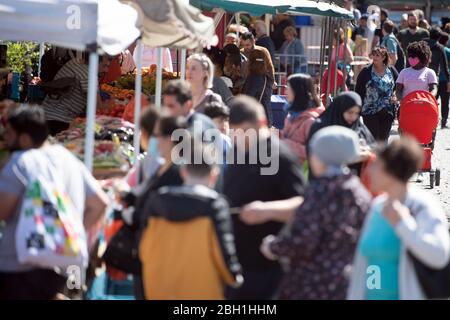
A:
(413, 61)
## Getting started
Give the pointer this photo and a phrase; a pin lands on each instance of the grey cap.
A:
(335, 145)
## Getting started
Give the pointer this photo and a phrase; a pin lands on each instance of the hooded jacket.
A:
(187, 249)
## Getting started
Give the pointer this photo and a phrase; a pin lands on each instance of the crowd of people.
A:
(280, 214)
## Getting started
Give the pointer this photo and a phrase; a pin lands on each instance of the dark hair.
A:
(216, 55)
(215, 109)
(247, 36)
(148, 119)
(233, 59)
(305, 95)
(231, 49)
(388, 26)
(402, 158)
(180, 89)
(420, 50)
(435, 33)
(257, 63)
(384, 12)
(29, 120)
(424, 24)
(444, 38)
(246, 109)
(383, 53)
(168, 124)
(203, 168)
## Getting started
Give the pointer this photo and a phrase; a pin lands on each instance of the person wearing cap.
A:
(321, 239)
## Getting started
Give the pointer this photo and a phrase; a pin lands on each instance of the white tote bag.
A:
(50, 232)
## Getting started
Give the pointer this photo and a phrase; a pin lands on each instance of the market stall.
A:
(167, 24)
(85, 25)
(334, 17)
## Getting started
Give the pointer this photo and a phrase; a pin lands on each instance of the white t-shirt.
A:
(414, 80)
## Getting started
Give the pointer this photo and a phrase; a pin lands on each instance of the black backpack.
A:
(435, 283)
(400, 64)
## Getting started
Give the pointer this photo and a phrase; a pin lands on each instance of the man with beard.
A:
(249, 44)
(26, 134)
(259, 168)
(413, 33)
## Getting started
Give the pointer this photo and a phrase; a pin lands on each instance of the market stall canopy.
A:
(318, 9)
(260, 7)
(173, 24)
(104, 25)
(253, 7)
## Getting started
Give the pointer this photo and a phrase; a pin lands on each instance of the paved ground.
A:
(441, 160)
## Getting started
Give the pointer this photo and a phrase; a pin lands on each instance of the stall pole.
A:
(41, 53)
(159, 78)
(322, 52)
(91, 106)
(183, 63)
(345, 53)
(338, 39)
(137, 102)
(330, 54)
(238, 27)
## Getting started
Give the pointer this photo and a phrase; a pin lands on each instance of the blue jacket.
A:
(294, 48)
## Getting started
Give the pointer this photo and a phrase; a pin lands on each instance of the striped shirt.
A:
(73, 103)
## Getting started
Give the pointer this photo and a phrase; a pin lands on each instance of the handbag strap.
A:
(264, 89)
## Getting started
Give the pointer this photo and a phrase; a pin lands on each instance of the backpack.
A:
(50, 232)
(435, 283)
(400, 64)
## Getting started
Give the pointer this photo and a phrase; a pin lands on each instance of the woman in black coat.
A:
(257, 83)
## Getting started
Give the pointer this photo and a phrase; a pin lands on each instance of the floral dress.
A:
(317, 248)
(379, 91)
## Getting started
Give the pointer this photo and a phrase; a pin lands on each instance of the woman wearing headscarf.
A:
(345, 111)
(304, 108)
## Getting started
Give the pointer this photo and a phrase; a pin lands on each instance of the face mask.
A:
(153, 147)
(413, 61)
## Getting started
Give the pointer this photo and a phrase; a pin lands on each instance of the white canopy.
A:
(90, 25)
(173, 24)
(106, 25)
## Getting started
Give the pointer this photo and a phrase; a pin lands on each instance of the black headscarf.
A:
(334, 115)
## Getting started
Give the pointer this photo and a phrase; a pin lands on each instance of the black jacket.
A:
(364, 77)
(266, 42)
(179, 204)
(438, 58)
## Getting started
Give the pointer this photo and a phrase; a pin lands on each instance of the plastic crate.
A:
(303, 20)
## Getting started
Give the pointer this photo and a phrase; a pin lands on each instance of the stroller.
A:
(419, 117)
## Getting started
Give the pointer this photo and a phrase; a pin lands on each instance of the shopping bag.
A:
(50, 232)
